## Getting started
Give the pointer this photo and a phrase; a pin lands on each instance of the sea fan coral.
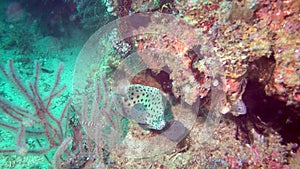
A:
(39, 120)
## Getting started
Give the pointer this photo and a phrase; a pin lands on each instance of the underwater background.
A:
(158, 84)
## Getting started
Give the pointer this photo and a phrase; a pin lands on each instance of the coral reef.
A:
(92, 14)
(223, 45)
(171, 49)
(226, 149)
(120, 45)
(247, 48)
(279, 19)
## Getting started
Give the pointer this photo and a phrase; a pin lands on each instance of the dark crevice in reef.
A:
(267, 111)
(163, 78)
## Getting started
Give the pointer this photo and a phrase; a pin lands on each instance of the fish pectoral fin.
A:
(139, 113)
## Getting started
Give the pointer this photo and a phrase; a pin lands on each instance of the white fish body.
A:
(145, 105)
